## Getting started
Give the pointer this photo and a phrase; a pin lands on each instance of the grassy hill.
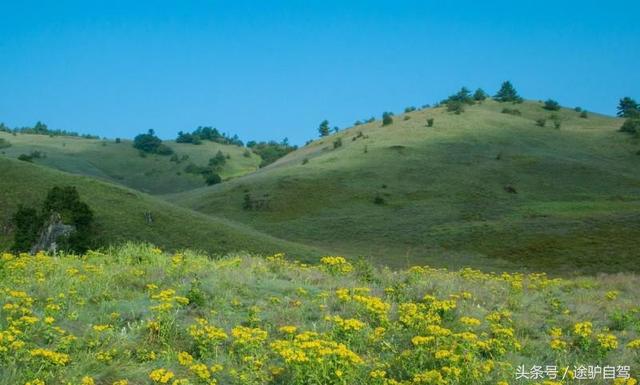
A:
(133, 315)
(121, 163)
(120, 214)
(483, 188)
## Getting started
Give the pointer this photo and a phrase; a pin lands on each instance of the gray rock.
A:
(52, 231)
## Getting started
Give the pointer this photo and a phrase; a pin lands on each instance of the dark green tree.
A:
(479, 95)
(508, 93)
(628, 108)
(387, 118)
(27, 223)
(324, 129)
(551, 105)
(631, 126)
(66, 202)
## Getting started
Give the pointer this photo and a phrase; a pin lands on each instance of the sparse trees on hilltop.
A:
(387, 118)
(551, 105)
(150, 143)
(479, 95)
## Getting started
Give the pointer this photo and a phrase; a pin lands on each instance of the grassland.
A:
(133, 315)
(443, 189)
(120, 214)
(120, 163)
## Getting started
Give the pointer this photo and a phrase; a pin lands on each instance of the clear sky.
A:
(275, 69)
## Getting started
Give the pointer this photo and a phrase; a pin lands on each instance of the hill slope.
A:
(120, 214)
(574, 200)
(121, 163)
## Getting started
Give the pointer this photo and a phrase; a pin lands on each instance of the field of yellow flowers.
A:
(135, 315)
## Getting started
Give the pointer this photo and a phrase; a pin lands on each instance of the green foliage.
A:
(210, 134)
(41, 129)
(430, 122)
(455, 106)
(511, 111)
(463, 96)
(66, 202)
(323, 128)
(584, 114)
(212, 178)
(409, 109)
(218, 161)
(480, 95)
(150, 143)
(271, 151)
(551, 105)
(508, 93)
(541, 122)
(387, 118)
(31, 156)
(26, 222)
(337, 143)
(631, 126)
(628, 108)
(4, 143)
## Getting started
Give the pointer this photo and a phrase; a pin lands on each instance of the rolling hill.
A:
(120, 214)
(481, 188)
(121, 163)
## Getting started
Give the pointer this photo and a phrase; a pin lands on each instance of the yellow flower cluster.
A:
(336, 265)
(161, 376)
(583, 329)
(347, 325)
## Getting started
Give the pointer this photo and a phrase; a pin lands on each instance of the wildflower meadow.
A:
(136, 315)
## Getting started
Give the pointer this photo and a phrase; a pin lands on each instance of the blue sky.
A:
(275, 69)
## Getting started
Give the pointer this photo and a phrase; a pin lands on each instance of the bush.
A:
(551, 105)
(556, 121)
(337, 143)
(578, 109)
(406, 117)
(511, 111)
(507, 93)
(584, 114)
(118, 140)
(218, 161)
(150, 143)
(4, 143)
(430, 122)
(631, 126)
(305, 160)
(541, 122)
(27, 223)
(409, 109)
(455, 106)
(378, 200)
(212, 178)
(270, 151)
(387, 118)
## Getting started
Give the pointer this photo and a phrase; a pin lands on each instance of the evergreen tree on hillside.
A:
(150, 143)
(628, 108)
(462, 96)
(387, 118)
(508, 93)
(324, 129)
(26, 222)
(479, 95)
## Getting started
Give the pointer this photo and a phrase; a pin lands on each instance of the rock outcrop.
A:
(52, 230)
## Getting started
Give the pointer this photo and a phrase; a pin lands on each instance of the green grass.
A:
(120, 214)
(127, 312)
(577, 206)
(121, 163)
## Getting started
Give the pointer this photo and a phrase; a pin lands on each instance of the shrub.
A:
(378, 200)
(631, 126)
(270, 151)
(387, 118)
(118, 140)
(430, 122)
(511, 111)
(409, 109)
(305, 160)
(212, 178)
(4, 143)
(337, 143)
(551, 105)
(583, 114)
(507, 93)
(541, 122)
(455, 106)
(246, 153)
(218, 161)
(556, 121)
(578, 109)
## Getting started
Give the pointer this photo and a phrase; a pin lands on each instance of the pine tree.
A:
(628, 108)
(508, 93)
(324, 129)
